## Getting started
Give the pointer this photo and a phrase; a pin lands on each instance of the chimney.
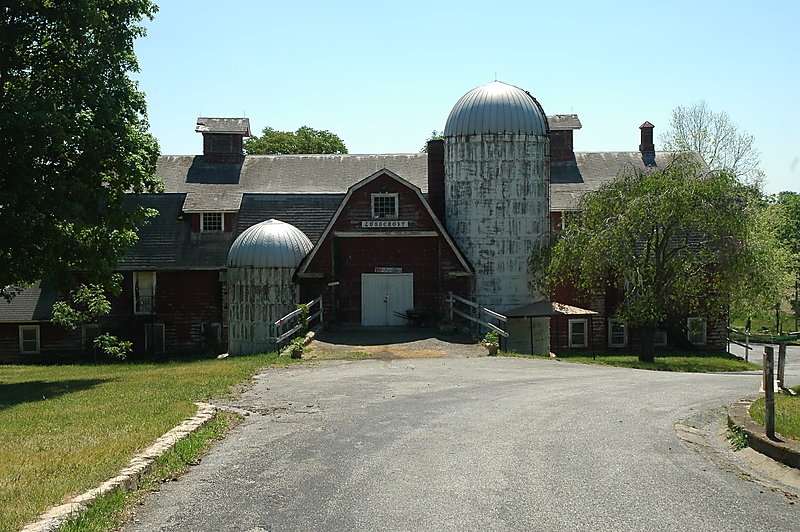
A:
(647, 148)
(223, 139)
(436, 177)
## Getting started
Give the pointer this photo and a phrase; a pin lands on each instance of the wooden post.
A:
(769, 392)
(781, 363)
(747, 346)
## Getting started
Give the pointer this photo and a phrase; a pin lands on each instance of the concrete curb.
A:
(786, 451)
(128, 479)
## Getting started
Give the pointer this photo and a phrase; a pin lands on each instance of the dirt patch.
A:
(322, 351)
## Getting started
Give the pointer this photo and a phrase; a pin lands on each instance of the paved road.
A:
(469, 444)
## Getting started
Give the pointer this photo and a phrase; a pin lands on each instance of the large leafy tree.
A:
(304, 140)
(719, 140)
(672, 239)
(73, 139)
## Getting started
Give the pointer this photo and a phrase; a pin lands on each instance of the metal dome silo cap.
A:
(496, 107)
(269, 244)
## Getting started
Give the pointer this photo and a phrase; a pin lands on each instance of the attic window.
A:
(384, 206)
(211, 222)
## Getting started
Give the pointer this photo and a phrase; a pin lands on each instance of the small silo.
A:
(261, 263)
(497, 195)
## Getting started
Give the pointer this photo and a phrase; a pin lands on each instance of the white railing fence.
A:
(286, 327)
(476, 314)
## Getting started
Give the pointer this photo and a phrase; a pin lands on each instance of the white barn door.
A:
(383, 294)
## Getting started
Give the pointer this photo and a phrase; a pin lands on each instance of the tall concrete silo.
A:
(497, 190)
(261, 263)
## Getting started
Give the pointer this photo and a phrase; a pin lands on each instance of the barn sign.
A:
(384, 223)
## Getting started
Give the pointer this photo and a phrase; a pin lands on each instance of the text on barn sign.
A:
(384, 223)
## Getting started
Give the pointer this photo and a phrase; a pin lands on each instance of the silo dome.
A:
(496, 108)
(269, 244)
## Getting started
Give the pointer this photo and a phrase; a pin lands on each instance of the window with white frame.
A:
(211, 222)
(696, 330)
(577, 333)
(660, 338)
(384, 206)
(617, 333)
(154, 337)
(144, 292)
(29, 339)
(88, 334)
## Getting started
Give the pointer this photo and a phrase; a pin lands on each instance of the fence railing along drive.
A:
(476, 312)
(285, 327)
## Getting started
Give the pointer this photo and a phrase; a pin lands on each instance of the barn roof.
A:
(240, 126)
(286, 174)
(167, 242)
(570, 180)
(32, 304)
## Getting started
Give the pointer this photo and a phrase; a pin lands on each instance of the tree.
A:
(671, 239)
(304, 140)
(435, 135)
(73, 140)
(723, 146)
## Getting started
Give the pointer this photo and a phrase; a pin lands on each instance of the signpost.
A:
(769, 392)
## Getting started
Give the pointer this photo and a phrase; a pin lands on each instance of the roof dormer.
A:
(223, 138)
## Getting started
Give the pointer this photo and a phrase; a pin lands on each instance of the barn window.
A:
(144, 292)
(154, 337)
(696, 330)
(29, 339)
(384, 206)
(617, 333)
(88, 334)
(660, 338)
(211, 222)
(577, 333)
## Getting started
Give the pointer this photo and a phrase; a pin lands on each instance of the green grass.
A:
(765, 323)
(694, 362)
(66, 429)
(787, 414)
(108, 512)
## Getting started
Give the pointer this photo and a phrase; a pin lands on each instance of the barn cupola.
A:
(561, 128)
(223, 139)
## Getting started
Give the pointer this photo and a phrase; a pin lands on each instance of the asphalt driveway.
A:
(465, 442)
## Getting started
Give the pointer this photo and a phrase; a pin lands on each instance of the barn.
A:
(386, 232)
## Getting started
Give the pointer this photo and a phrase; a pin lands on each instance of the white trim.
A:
(663, 334)
(585, 323)
(703, 332)
(22, 341)
(152, 307)
(611, 323)
(153, 330)
(383, 234)
(437, 223)
(221, 222)
(394, 195)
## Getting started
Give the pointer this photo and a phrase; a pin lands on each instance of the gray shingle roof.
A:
(239, 126)
(570, 180)
(287, 174)
(32, 304)
(218, 200)
(167, 242)
(563, 122)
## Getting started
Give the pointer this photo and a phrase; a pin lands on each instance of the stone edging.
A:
(128, 479)
(786, 451)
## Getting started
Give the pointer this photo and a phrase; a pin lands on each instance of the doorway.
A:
(384, 294)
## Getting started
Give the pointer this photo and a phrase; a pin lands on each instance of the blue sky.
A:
(383, 76)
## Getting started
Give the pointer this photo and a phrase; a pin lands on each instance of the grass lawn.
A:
(693, 362)
(787, 413)
(66, 429)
